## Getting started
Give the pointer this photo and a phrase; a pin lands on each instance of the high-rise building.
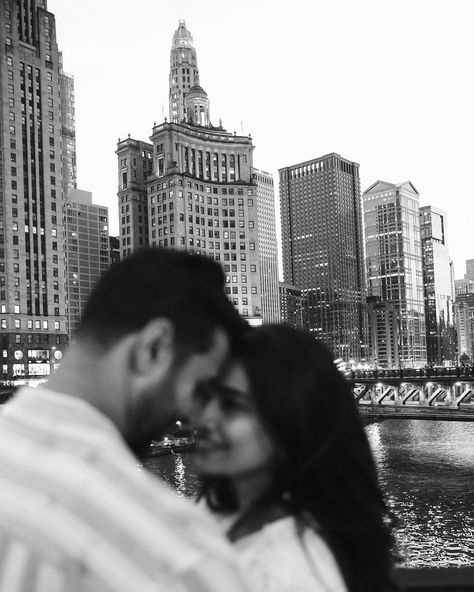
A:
(68, 129)
(438, 288)
(114, 243)
(184, 73)
(394, 261)
(464, 315)
(135, 164)
(383, 333)
(87, 250)
(463, 286)
(469, 270)
(267, 245)
(323, 249)
(293, 309)
(193, 188)
(36, 117)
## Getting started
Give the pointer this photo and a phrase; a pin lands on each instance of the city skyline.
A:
(397, 73)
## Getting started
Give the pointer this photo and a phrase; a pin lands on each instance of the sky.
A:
(387, 84)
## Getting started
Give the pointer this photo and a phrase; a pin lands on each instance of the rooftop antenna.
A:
(162, 110)
(241, 128)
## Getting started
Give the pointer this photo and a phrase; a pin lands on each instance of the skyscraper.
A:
(438, 287)
(194, 187)
(394, 262)
(87, 250)
(323, 250)
(470, 270)
(184, 73)
(267, 245)
(383, 333)
(293, 307)
(135, 164)
(35, 160)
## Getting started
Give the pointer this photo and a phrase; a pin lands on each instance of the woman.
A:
(287, 469)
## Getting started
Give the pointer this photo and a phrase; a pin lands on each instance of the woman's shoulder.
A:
(287, 555)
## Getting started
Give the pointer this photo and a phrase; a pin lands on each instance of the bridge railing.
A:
(435, 579)
(428, 372)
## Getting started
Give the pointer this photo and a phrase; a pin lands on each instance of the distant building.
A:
(323, 249)
(135, 165)
(470, 270)
(293, 306)
(87, 250)
(438, 289)
(394, 262)
(383, 333)
(193, 187)
(37, 160)
(466, 284)
(464, 315)
(114, 243)
(267, 245)
(463, 286)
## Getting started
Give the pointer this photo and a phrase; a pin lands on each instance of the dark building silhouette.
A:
(293, 306)
(322, 249)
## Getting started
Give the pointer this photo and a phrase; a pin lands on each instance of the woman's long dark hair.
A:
(329, 473)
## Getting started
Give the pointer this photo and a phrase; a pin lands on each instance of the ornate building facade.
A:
(36, 165)
(194, 187)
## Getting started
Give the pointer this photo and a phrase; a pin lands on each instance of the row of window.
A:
(45, 325)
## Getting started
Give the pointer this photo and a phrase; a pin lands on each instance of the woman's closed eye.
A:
(231, 399)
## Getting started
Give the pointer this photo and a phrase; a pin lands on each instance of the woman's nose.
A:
(208, 417)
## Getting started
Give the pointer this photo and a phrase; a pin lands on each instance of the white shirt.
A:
(77, 514)
(278, 558)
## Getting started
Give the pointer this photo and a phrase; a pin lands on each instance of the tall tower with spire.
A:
(184, 73)
(194, 188)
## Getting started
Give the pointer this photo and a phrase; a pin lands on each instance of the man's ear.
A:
(153, 349)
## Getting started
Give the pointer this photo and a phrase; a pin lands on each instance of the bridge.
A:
(441, 393)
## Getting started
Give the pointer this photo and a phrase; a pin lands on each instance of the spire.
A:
(184, 73)
(182, 37)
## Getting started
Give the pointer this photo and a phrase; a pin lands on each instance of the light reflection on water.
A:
(426, 469)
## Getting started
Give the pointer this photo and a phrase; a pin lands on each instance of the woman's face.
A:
(232, 441)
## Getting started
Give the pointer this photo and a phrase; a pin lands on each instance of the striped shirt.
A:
(77, 514)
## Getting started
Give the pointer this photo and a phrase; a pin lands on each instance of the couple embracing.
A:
(287, 474)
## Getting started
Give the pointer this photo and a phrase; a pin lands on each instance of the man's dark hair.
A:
(185, 288)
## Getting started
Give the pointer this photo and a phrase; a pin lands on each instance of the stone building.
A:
(194, 187)
(37, 164)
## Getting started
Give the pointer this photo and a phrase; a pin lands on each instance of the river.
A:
(426, 469)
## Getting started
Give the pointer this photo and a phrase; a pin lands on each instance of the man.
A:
(76, 513)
